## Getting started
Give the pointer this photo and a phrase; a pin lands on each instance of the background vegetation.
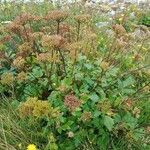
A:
(71, 78)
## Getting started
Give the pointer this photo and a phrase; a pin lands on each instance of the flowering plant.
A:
(73, 85)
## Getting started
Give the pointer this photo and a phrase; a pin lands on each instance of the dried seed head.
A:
(74, 46)
(35, 36)
(86, 116)
(37, 108)
(25, 34)
(90, 43)
(7, 78)
(104, 65)
(41, 108)
(71, 102)
(63, 28)
(44, 57)
(21, 76)
(105, 107)
(47, 57)
(23, 18)
(26, 108)
(64, 31)
(57, 15)
(53, 41)
(82, 18)
(24, 49)
(74, 49)
(19, 62)
(119, 29)
(15, 28)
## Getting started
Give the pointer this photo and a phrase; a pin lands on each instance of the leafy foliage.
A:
(72, 85)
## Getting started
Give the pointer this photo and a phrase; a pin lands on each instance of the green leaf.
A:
(129, 81)
(43, 81)
(103, 140)
(112, 72)
(108, 122)
(97, 113)
(67, 81)
(37, 72)
(101, 92)
(130, 121)
(88, 66)
(89, 80)
(32, 90)
(128, 91)
(138, 134)
(94, 97)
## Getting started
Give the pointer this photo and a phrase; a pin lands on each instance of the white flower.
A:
(70, 134)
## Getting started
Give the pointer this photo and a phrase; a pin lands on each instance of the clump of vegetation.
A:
(73, 85)
(145, 20)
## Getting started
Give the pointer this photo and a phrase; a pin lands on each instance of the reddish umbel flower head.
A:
(64, 30)
(55, 41)
(71, 102)
(57, 15)
(128, 104)
(15, 28)
(24, 49)
(25, 34)
(35, 36)
(83, 18)
(119, 29)
(6, 38)
(86, 116)
(21, 76)
(23, 18)
(19, 62)
(44, 57)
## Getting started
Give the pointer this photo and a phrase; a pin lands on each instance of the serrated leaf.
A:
(94, 97)
(129, 81)
(97, 113)
(108, 122)
(37, 72)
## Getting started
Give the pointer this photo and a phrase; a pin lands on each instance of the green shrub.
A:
(145, 20)
(73, 86)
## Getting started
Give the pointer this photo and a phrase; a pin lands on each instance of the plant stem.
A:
(26, 33)
(63, 60)
(78, 30)
(58, 23)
